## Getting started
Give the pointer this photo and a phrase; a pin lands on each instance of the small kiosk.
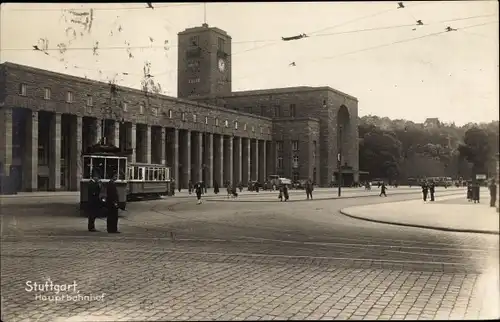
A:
(104, 161)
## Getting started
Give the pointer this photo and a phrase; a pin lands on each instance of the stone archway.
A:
(343, 141)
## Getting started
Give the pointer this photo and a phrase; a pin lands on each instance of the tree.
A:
(476, 149)
(380, 154)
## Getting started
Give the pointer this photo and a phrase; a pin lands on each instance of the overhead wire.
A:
(109, 8)
(268, 42)
(304, 63)
(252, 41)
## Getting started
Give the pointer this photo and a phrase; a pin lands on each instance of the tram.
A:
(147, 180)
(104, 161)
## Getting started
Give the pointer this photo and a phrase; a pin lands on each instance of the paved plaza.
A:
(230, 260)
(446, 213)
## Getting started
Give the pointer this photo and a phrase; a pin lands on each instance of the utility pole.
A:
(339, 161)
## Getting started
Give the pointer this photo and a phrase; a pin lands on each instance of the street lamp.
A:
(339, 162)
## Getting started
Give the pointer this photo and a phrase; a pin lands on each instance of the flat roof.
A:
(284, 90)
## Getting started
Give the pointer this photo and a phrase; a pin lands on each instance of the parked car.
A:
(299, 184)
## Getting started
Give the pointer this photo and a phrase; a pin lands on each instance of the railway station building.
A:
(208, 133)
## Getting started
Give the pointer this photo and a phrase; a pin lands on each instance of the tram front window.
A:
(87, 167)
(111, 168)
(98, 167)
(123, 168)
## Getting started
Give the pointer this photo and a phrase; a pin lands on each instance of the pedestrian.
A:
(94, 200)
(431, 190)
(257, 186)
(469, 192)
(112, 200)
(425, 190)
(179, 187)
(198, 189)
(190, 186)
(285, 192)
(240, 186)
(493, 193)
(172, 187)
(228, 190)
(234, 192)
(383, 189)
(280, 196)
(216, 187)
(205, 187)
(309, 189)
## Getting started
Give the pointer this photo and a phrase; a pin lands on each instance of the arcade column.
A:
(186, 158)
(132, 141)
(97, 131)
(114, 134)
(209, 159)
(30, 160)
(237, 161)
(198, 162)
(262, 161)
(75, 153)
(245, 155)
(228, 159)
(255, 160)
(175, 160)
(147, 141)
(6, 140)
(55, 152)
(219, 159)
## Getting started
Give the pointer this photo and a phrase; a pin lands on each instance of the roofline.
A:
(127, 89)
(295, 119)
(285, 90)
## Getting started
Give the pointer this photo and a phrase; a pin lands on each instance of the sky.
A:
(371, 50)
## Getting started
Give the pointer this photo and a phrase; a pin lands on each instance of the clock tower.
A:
(204, 62)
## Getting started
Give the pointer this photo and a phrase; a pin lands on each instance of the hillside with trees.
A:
(398, 149)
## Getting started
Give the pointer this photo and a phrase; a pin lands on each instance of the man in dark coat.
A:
(190, 186)
(285, 192)
(383, 189)
(198, 189)
(309, 189)
(112, 200)
(493, 193)
(94, 201)
(425, 190)
(216, 187)
(432, 188)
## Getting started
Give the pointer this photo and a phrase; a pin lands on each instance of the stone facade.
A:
(213, 135)
(295, 103)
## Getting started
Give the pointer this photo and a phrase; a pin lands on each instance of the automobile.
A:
(251, 185)
(375, 182)
(299, 184)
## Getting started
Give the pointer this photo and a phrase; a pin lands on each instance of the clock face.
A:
(222, 65)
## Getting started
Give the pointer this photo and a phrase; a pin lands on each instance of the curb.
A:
(330, 198)
(474, 231)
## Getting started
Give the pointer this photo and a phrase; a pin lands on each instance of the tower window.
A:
(236, 124)
(23, 88)
(292, 110)
(169, 114)
(221, 44)
(47, 93)
(276, 111)
(194, 40)
(194, 118)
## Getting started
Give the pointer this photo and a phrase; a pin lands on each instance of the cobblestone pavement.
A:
(227, 261)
